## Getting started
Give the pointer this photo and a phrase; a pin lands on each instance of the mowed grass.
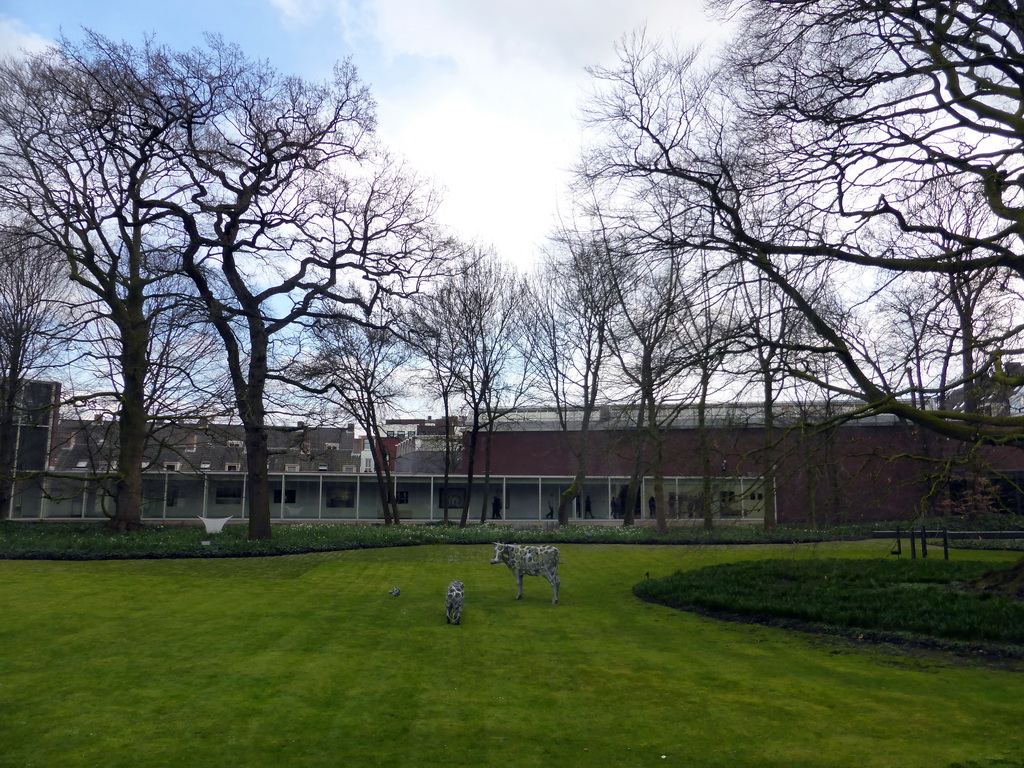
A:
(308, 661)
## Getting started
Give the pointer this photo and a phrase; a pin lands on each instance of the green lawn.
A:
(308, 661)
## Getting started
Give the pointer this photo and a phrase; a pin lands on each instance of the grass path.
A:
(307, 661)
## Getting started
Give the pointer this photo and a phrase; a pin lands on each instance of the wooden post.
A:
(945, 544)
(924, 543)
(913, 545)
(899, 543)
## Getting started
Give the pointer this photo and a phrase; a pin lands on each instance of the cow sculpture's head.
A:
(501, 553)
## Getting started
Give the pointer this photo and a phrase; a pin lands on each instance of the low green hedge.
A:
(93, 541)
(902, 598)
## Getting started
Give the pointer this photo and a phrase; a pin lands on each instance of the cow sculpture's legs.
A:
(554, 586)
(519, 583)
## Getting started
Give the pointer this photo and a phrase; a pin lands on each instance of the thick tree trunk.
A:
(133, 422)
(568, 496)
(704, 446)
(249, 394)
(582, 453)
(133, 431)
(658, 466)
(383, 494)
(632, 500)
(447, 458)
(770, 522)
(487, 475)
(257, 456)
(383, 475)
(474, 437)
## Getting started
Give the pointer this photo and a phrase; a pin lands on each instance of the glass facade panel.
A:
(27, 499)
(299, 498)
(415, 501)
(225, 496)
(153, 487)
(185, 495)
(522, 499)
(368, 501)
(339, 499)
(65, 498)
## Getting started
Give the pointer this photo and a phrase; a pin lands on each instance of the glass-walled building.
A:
(308, 496)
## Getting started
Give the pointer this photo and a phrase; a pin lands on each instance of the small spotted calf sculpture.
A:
(529, 561)
(453, 602)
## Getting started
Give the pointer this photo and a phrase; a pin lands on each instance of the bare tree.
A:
(429, 329)
(710, 332)
(33, 287)
(81, 160)
(825, 124)
(572, 303)
(360, 368)
(653, 302)
(283, 201)
(484, 303)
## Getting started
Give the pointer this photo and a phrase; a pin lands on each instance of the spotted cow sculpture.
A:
(453, 602)
(525, 560)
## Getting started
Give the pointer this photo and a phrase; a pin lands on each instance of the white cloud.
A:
(566, 34)
(503, 174)
(298, 12)
(14, 37)
(483, 96)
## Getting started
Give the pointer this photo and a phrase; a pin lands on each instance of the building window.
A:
(234, 443)
(82, 465)
(204, 465)
(349, 469)
(228, 494)
(291, 467)
(322, 468)
(172, 466)
(232, 467)
(289, 495)
(343, 497)
(332, 446)
(172, 497)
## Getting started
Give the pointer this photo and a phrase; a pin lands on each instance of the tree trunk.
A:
(657, 466)
(487, 474)
(249, 393)
(383, 493)
(133, 431)
(582, 459)
(770, 522)
(633, 489)
(706, 506)
(447, 457)
(474, 437)
(133, 423)
(382, 473)
(257, 455)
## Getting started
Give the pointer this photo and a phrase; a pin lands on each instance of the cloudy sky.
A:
(482, 96)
